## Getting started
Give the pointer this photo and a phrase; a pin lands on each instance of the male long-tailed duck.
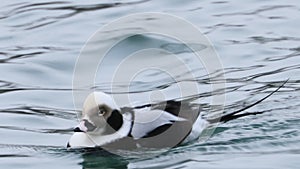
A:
(160, 125)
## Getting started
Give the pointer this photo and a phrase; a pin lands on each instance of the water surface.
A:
(257, 42)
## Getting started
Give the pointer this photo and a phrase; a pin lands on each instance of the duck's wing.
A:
(148, 122)
(237, 114)
(162, 124)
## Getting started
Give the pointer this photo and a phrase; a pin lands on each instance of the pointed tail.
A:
(234, 115)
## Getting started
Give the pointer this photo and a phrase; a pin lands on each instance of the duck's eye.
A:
(102, 111)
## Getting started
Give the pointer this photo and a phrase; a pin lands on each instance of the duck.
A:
(158, 125)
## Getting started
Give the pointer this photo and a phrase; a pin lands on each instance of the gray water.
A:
(257, 41)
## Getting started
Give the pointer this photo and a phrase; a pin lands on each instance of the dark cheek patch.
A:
(115, 120)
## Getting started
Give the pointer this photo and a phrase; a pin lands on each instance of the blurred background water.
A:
(257, 41)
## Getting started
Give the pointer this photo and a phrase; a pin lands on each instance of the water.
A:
(257, 41)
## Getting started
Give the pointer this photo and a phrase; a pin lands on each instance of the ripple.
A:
(11, 55)
(59, 10)
(258, 11)
(35, 110)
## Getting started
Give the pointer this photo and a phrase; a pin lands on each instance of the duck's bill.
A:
(84, 126)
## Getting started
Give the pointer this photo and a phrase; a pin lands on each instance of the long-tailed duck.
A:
(165, 124)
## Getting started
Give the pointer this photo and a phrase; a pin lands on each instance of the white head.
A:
(100, 115)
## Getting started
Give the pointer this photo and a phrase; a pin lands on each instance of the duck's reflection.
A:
(95, 158)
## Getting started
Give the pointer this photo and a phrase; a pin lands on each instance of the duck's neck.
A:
(114, 135)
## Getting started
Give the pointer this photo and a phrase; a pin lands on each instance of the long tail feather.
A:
(234, 115)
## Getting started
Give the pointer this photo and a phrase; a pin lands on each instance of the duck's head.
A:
(100, 115)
